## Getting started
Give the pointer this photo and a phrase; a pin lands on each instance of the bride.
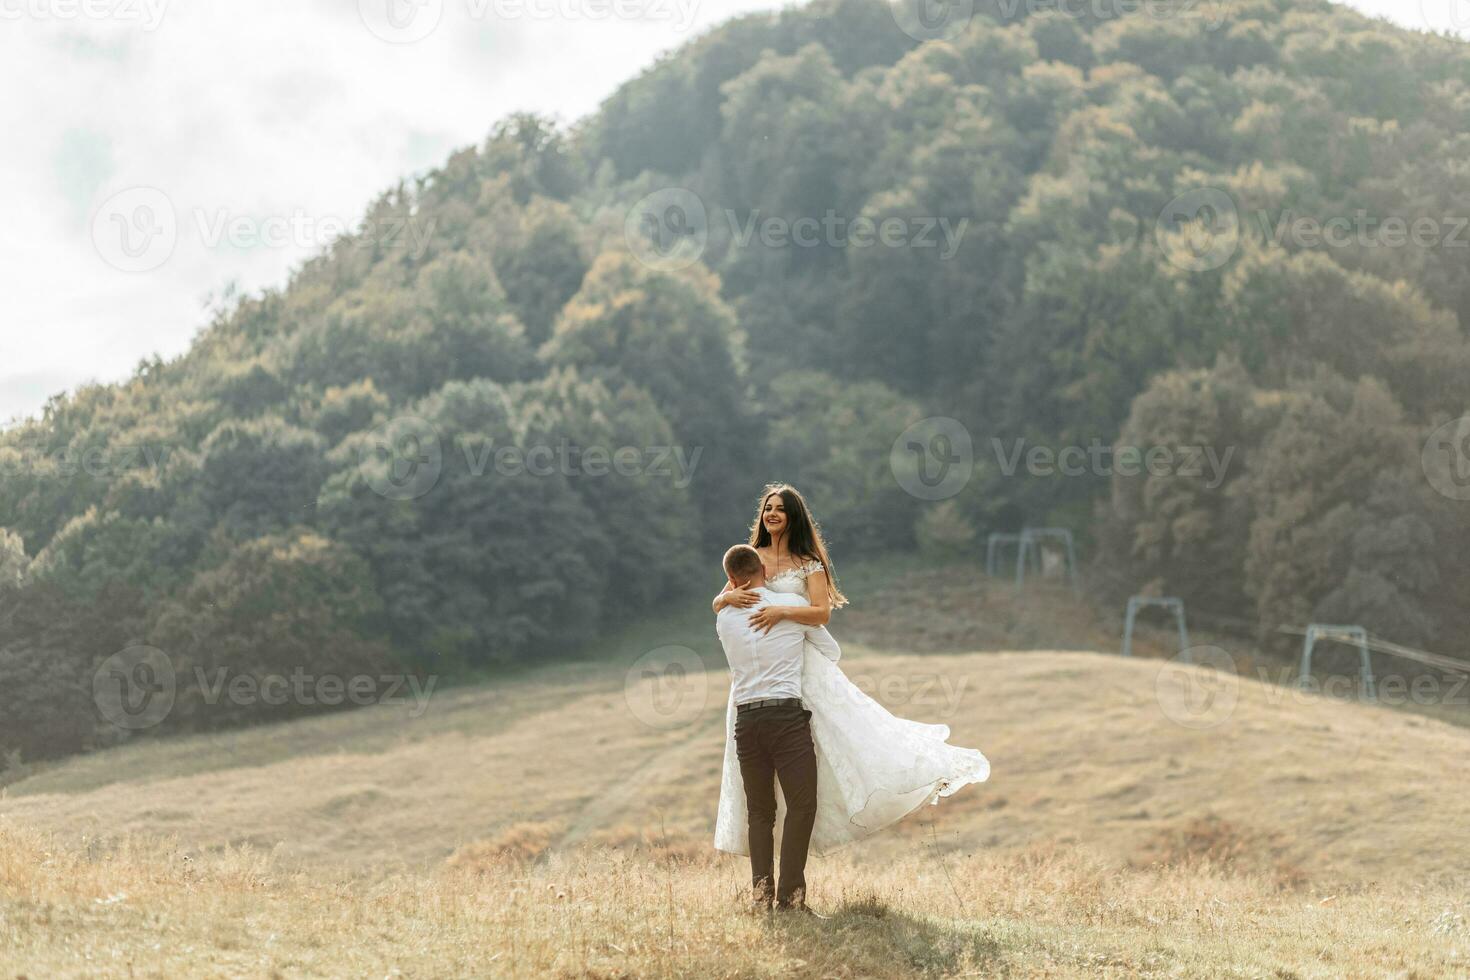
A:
(873, 768)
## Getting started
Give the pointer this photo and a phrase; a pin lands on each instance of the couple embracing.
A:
(845, 766)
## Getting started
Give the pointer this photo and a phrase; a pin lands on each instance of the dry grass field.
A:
(1141, 820)
(153, 911)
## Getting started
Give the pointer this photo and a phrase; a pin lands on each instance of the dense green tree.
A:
(1174, 521)
(1393, 568)
(52, 643)
(542, 266)
(672, 335)
(493, 557)
(97, 548)
(247, 390)
(619, 454)
(535, 153)
(785, 144)
(342, 411)
(14, 562)
(1288, 312)
(260, 475)
(287, 605)
(1309, 487)
(833, 440)
(1058, 37)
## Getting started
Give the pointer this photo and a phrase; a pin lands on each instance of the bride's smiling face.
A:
(773, 515)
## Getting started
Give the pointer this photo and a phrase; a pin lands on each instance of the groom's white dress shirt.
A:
(768, 665)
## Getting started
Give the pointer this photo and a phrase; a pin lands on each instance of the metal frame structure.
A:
(1031, 539)
(1352, 635)
(997, 538)
(1139, 602)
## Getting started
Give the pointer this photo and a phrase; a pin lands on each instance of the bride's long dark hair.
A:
(803, 536)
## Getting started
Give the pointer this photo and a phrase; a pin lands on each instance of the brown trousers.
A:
(776, 743)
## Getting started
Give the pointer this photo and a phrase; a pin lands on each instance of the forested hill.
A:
(545, 382)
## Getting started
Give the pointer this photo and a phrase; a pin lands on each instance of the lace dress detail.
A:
(873, 768)
(794, 579)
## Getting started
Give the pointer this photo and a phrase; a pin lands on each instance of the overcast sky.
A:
(154, 151)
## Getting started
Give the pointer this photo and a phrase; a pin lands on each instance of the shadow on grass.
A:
(878, 940)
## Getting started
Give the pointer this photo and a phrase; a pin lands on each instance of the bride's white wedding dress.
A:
(873, 768)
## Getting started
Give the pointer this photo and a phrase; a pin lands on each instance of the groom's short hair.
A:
(743, 563)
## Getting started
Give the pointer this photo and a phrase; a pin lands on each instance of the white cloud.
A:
(267, 109)
(275, 111)
(1452, 16)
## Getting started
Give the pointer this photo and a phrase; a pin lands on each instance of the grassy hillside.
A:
(538, 825)
(1085, 752)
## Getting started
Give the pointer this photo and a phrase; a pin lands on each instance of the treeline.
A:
(481, 441)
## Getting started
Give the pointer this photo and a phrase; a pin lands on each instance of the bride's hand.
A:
(739, 598)
(766, 617)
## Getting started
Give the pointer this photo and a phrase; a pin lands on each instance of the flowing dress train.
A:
(873, 768)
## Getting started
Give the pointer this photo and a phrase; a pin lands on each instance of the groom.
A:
(773, 738)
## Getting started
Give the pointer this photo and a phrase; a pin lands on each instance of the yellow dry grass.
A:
(559, 824)
(1083, 746)
(155, 912)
